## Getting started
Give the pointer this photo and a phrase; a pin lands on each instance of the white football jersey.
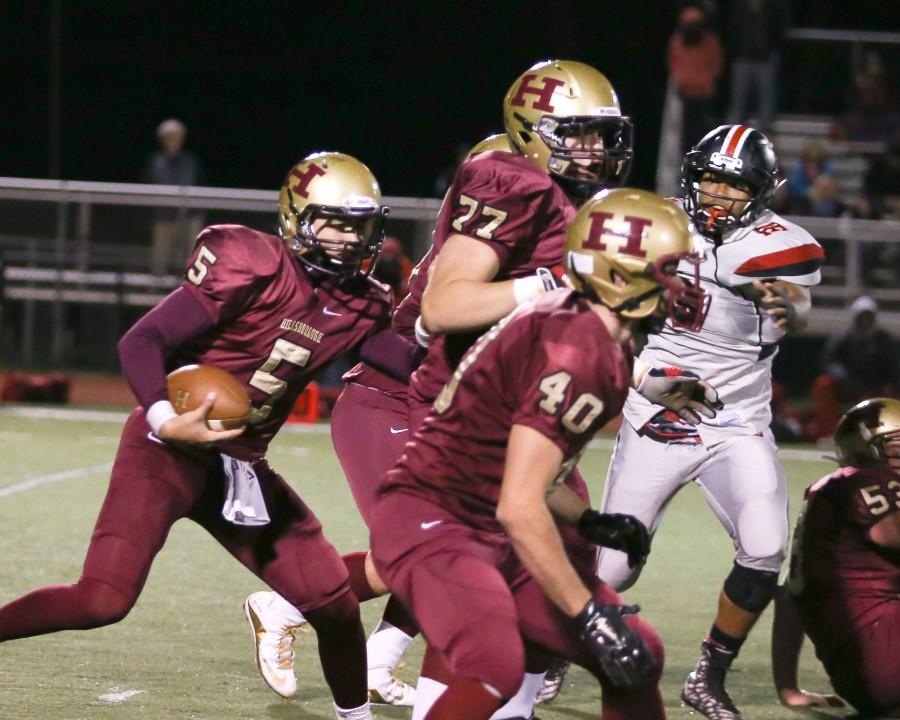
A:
(737, 343)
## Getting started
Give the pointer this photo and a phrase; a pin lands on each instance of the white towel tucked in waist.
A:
(244, 503)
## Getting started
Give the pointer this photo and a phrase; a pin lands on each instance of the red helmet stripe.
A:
(735, 140)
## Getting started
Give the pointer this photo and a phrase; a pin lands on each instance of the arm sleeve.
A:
(507, 206)
(143, 349)
(776, 250)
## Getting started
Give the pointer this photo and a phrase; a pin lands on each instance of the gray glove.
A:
(682, 392)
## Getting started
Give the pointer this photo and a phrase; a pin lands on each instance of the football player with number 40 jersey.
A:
(271, 311)
(844, 582)
(757, 270)
(464, 530)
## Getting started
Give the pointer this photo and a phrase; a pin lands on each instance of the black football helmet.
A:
(739, 155)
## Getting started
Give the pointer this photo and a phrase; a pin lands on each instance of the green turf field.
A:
(186, 651)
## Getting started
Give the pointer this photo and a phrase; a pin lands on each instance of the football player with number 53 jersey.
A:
(844, 582)
(271, 311)
(757, 270)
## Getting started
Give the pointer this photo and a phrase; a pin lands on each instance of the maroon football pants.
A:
(477, 607)
(369, 429)
(151, 487)
(866, 671)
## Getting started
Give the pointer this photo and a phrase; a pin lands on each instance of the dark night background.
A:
(398, 84)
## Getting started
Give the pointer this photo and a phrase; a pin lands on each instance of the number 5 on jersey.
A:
(581, 413)
(274, 387)
(198, 270)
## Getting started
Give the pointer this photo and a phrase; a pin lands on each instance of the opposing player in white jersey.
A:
(757, 270)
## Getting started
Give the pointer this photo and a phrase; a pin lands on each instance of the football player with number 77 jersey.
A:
(272, 311)
(757, 270)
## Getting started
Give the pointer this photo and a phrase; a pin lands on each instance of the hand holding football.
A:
(189, 385)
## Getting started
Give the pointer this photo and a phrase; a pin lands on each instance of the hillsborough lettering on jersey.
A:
(303, 329)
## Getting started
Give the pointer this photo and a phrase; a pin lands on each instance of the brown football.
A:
(189, 386)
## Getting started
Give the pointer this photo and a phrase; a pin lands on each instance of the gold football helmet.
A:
(564, 116)
(492, 143)
(329, 190)
(622, 249)
(863, 430)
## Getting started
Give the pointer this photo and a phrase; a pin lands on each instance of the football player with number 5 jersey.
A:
(271, 311)
(757, 270)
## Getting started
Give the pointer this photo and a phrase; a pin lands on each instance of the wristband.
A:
(527, 288)
(423, 337)
(158, 414)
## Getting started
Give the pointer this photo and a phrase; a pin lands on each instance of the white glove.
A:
(680, 391)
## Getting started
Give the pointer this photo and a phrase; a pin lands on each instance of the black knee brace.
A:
(751, 590)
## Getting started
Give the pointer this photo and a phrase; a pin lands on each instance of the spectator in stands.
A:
(825, 198)
(882, 183)
(811, 164)
(174, 229)
(871, 116)
(695, 64)
(859, 362)
(755, 32)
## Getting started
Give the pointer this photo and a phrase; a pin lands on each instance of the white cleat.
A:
(385, 689)
(273, 637)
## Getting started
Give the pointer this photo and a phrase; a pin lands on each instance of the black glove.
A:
(616, 531)
(623, 658)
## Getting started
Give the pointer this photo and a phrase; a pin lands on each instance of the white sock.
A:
(384, 649)
(281, 610)
(363, 712)
(521, 705)
(427, 693)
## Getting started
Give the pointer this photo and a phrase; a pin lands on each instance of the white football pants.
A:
(742, 480)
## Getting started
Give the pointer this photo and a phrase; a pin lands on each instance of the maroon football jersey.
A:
(840, 578)
(506, 202)
(275, 327)
(551, 366)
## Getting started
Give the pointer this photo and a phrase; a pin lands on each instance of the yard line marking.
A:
(110, 416)
(817, 454)
(44, 413)
(54, 478)
(117, 695)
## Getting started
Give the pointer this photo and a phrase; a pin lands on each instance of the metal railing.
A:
(59, 256)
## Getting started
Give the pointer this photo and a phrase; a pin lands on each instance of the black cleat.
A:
(704, 689)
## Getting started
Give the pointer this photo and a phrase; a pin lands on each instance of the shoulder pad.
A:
(773, 248)
(241, 247)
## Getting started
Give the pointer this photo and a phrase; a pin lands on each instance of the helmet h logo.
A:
(304, 178)
(544, 94)
(633, 237)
